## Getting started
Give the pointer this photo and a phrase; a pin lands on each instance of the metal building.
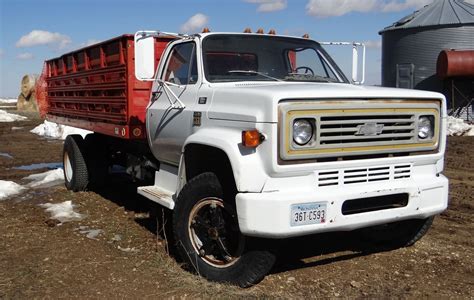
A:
(410, 47)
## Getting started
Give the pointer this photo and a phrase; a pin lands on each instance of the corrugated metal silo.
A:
(410, 47)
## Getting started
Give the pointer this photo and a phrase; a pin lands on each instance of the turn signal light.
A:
(252, 138)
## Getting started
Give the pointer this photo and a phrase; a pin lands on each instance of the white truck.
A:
(260, 136)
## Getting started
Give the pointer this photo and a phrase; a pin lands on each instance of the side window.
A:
(181, 67)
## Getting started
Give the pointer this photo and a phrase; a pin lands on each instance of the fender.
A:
(246, 164)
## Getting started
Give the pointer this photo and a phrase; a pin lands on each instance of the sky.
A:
(32, 31)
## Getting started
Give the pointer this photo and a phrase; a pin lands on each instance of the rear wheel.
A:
(399, 234)
(208, 237)
(75, 168)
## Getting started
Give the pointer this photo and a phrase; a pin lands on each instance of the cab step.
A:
(158, 195)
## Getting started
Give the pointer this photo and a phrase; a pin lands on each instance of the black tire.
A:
(76, 176)
(399, 234)
(96, 159)
(201, 216)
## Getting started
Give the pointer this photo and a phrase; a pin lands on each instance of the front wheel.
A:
(208, 238)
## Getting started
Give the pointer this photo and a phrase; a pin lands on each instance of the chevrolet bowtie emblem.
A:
(369, 129)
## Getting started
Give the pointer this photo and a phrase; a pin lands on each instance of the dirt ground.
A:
(128, 259)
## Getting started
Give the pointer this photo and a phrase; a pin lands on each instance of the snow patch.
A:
(46, 179)
(7, 101)
(42, 180)
(8, 117)
(128, 249)
(16, 128)
(116, 238)
(57, 131)
(9, 188)
(91, 233)
(63, 212)
(49, 166)
(457, 127)
(6, 155)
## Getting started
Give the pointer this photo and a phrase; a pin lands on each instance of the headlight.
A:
(426, 127)
(302, 131)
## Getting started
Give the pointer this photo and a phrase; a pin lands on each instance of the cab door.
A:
(174, 96)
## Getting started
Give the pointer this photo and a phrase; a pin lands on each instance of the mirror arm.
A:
(147, 33)
(170, 94)
(355, 55)
(145, 51)
(363, 64)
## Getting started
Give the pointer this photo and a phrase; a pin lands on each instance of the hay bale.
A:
(28, 85)
(26, 99)
(26, 104)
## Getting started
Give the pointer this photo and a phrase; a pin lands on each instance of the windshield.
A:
(243, 57)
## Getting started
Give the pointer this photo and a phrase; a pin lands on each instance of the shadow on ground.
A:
(291, 252)
(327, 248)
(121, 190)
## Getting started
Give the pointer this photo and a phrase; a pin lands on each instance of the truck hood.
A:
(258, 102)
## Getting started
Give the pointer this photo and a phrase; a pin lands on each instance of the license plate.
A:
(308, 213)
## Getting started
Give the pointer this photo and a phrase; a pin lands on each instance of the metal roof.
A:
(439, 12)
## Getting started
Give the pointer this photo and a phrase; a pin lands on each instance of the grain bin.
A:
(410, 47)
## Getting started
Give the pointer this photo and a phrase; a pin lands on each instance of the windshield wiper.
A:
(253, 73)
(308, 77)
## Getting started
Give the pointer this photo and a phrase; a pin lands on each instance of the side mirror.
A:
(356, 47)
(145, 55)
(355, 63)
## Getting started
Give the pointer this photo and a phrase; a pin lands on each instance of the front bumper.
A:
(267, 214)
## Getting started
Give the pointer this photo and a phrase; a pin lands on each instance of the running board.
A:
(157, 195)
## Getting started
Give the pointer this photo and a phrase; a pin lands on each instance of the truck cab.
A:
(256, 137)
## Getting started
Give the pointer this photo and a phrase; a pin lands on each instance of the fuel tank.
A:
(455, 63)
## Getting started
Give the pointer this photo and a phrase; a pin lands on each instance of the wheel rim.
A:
(67, 167)
(214, 233)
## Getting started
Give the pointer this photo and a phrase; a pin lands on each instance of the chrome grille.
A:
(346, 130)
(357, 129)
(363, 175)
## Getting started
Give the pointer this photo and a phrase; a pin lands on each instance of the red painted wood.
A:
(97, 90)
